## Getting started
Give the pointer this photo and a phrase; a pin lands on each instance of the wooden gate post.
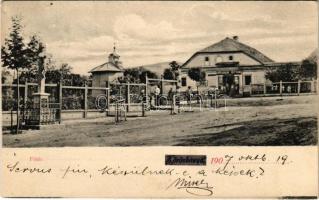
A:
(280, 87)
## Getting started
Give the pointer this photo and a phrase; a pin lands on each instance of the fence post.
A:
(85, 101)
(225, 103)
(216, 100)
(146, 92)
(124, 115)
(143, 109)
(127, 99)
(280, 87)
(200, 104)
(179, 106)
(25, 92)
(298, 88)
(116, 112)
(265, 89)
(108, 98)
(11, 120)
(60, 101)
(162, 85)
(25, 99)
(172, 105)
(312, 85)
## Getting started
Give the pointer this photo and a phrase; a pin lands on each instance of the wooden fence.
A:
(67, 100)
(283, 88)
(73, 102)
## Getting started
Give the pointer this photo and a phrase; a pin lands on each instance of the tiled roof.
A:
(229, 44)
(107, 67)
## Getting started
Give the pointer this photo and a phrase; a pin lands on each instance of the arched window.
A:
(219, 59)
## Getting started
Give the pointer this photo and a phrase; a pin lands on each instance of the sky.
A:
(83, 33)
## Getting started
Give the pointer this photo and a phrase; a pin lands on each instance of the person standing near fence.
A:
(157, 93)
(142, 95)
(289, 89)
(189, 94)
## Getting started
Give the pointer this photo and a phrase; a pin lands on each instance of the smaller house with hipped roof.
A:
(108, 72)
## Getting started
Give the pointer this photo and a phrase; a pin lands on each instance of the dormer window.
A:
(231, 57)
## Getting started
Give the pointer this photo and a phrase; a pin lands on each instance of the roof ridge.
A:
(252, 48)
(97, 67)
(230, 44)
(106, 64)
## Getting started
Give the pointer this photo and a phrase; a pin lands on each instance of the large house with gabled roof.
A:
(229, 64)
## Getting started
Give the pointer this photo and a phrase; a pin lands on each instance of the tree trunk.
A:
(18, 103)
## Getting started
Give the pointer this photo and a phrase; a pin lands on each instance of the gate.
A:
(131, 95)
(163, 100)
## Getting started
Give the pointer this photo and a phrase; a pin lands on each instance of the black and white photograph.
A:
(160, 73)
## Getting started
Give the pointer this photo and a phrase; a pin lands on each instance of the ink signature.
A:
(194, 187)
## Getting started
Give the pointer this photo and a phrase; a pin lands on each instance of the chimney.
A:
(235, 37)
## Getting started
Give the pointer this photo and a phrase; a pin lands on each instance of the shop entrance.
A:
(229, 84)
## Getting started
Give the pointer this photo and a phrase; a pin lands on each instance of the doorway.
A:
(229, 84)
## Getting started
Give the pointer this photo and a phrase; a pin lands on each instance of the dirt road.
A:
(291, 124)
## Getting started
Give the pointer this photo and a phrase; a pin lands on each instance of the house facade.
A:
(228, 65)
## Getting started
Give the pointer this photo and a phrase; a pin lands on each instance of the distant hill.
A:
(313, 56)
(157, 68)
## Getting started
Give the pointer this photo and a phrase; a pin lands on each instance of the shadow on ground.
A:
(274, 132)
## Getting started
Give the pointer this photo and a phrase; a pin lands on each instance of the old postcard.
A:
(159, 99)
